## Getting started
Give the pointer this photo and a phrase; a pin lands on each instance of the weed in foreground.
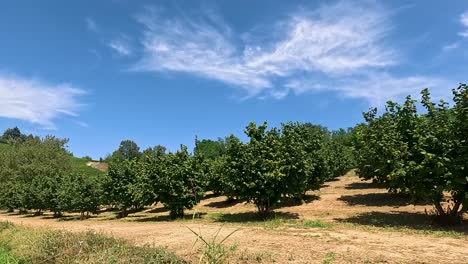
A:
(329, 258)
(214, 252)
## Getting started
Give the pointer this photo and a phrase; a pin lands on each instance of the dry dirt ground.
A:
(98, 165)
(346, 221)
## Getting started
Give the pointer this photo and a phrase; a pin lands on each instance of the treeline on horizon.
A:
(421, 155)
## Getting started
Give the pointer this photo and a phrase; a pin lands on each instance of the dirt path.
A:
(341, 243)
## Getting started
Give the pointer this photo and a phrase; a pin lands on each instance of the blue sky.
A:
(163, 72)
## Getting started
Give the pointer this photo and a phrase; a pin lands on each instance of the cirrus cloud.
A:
(331, 47)
(464, 22)
(36, 101)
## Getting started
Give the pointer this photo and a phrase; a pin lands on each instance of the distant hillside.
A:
(102, 166)
(79, 164)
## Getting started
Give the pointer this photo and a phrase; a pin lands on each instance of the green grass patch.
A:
(25, 245)
(7, 258)
(408, 230)
(276, 221)
(315, 224)
(329, 257)
(79, 165)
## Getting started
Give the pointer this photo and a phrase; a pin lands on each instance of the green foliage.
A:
(80, 193)
(12, 135)
(155, 151)
(280, 162)
(210, 149)
(181, 181)
(119, 184)
(305, 165)
(129, 149)
(31, 172)
(420, 155)
(254, 170)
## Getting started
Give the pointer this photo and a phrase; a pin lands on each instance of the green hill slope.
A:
(78, 164)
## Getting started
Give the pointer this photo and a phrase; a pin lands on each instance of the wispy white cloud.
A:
(338, 39)
(203, 48)
(121, 46)
(451, 46)
(91, 24)
(464, 22)
(82, 124)
(311, 51)
(376, 87)
(36, 101)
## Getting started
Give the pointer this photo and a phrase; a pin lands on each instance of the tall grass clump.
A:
(24, 245)
(213, 250)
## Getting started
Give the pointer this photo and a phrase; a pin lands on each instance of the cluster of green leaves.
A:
(175, 179)
(38, 174)
(278, 163)
(420, 155)
(11, 135)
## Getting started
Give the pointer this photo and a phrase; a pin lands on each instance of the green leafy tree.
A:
(34, 168)
(210, 149)
(13, 134)
(181, 181)
(80, 193)
(119, 185)
(255, 169)
(129, 150)
(304, 164)
(418, 154)
(155, 151)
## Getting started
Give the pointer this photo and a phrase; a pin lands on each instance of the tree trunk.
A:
(123, 213)
(449, 217)
(58, 214)
(176, 213)
(456, 207)
(38, 212)
(264, 210)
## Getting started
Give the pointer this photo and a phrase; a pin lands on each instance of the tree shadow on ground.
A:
(211, 195)
(158, 210)
(288, 201)
(224, 204)
(61, 218)
(332, 180)
(380, 199)
(417, 221)
(364, 186)
(66, 218)
(245, 217)
(375, 199)
(167, 218)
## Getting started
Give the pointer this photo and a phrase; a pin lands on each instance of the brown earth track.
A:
(98, 165)
(346, 200)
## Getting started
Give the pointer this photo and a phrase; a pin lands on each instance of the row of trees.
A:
(37, 174)
(273, 164)
(424, 156)
(421, 155)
